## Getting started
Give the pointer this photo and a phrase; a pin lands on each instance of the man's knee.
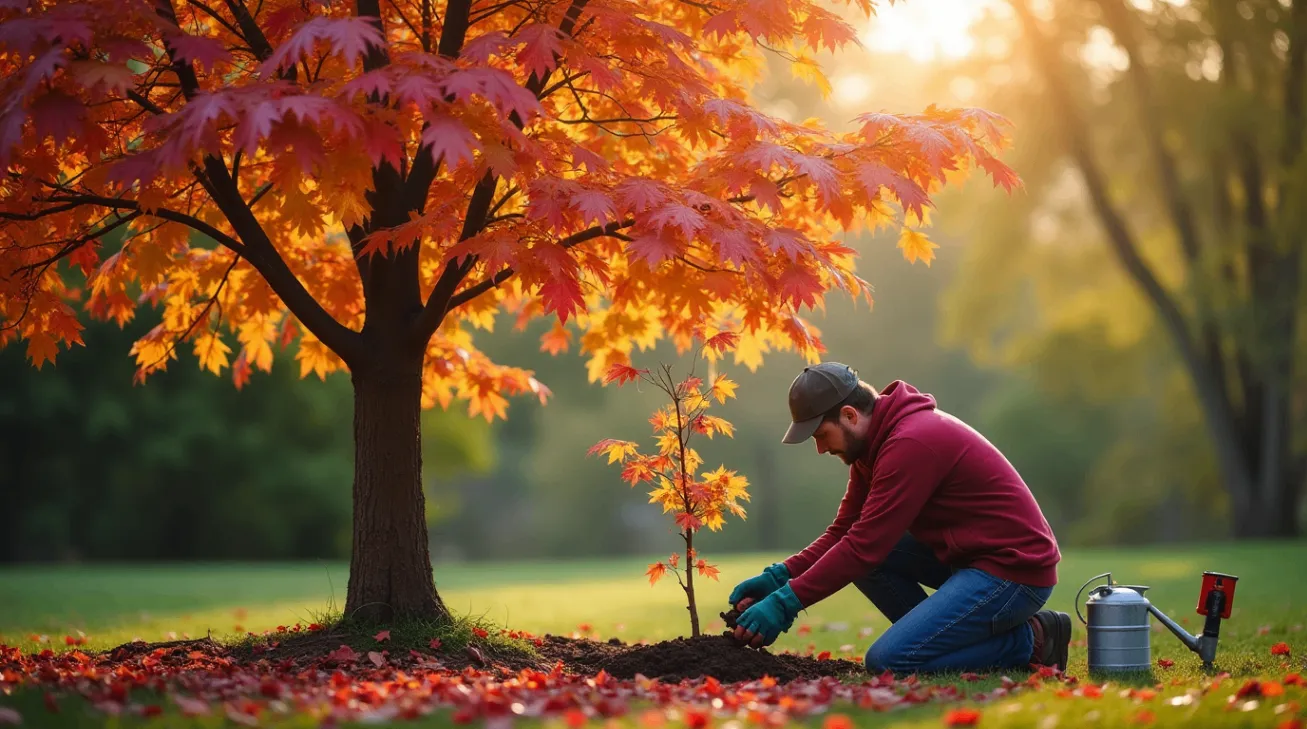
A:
(887, 654)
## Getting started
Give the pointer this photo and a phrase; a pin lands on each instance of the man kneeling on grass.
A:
(929, 502)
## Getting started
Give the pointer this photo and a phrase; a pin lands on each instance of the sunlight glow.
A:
(851, 88)
(924, 30)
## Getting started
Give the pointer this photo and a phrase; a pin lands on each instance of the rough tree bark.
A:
(390, 567)
(1247, 404)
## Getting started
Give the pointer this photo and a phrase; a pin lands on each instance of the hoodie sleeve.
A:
(906, 473)
(850, 508)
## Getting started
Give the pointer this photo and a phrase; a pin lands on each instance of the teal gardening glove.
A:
(771, 617)
(772, 579)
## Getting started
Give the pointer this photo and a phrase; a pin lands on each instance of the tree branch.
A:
(257, 247)
(571, 241)
(439, 301)
(177, 217)
(70, 245)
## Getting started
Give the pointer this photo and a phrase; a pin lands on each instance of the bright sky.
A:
(921, 30)
(924, 30)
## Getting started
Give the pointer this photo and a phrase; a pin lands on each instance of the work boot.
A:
(1052, 638)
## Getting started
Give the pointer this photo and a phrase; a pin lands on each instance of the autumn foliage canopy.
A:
(321, 172)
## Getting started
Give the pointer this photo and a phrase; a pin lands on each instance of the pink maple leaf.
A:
(734, 245)
(639, 194)
(189, 48)
(450, 141)
(653, 247)
(593, 205)
(674, 214)
(542, 42)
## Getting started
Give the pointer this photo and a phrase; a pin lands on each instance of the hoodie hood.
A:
(897, 401)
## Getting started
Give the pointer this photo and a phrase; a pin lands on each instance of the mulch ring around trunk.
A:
(670, 661)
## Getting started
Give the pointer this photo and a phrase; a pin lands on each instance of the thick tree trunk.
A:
(390, 573)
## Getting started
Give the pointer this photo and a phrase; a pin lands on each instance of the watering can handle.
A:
(1108, 575)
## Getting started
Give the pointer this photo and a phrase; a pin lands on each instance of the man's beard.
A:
(855, 447)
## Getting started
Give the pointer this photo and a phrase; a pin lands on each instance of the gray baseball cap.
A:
(817, 388)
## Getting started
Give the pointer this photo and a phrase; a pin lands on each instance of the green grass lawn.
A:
(112, 605)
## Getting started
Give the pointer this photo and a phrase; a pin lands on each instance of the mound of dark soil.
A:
(718, 656)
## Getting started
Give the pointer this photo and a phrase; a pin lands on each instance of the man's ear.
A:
(850, 414)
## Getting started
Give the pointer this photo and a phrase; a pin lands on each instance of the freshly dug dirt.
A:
(690, 658)
(671, 661)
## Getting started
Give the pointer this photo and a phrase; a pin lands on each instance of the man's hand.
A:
(772, 578)
(763, 622)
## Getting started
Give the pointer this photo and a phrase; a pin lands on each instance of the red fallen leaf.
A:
(1290, 724)
(270, 688)
(823, 656)
(1143, 717)
(575, 718)
(434, 644)
(1294, 679)
(480, 632)
(1272, 688)
(961, 717)
(382, 637)
(837, 721)
(377, 659)
(968, 676)
(1165, 662)
(343, 654)
(1251, 688)
(1280, 649)
(696, 719)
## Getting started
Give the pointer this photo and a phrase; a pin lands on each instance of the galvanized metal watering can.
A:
(1118, 622)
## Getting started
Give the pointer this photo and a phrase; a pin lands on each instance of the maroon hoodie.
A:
(929, 473)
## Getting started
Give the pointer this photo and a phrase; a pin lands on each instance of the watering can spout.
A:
(1190, 641)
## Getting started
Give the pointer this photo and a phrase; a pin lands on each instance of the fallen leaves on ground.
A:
(200, 678)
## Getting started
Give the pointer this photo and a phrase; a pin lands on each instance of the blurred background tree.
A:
(1030, 325)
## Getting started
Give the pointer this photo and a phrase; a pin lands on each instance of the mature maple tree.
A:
(372, 182)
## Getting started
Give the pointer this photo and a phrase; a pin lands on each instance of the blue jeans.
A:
(972, 622)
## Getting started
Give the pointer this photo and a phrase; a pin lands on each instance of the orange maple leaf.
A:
(655, 571)
(707, 570)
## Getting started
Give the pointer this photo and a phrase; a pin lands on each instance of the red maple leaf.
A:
(622, 373)
(562, 295)
(688, 522)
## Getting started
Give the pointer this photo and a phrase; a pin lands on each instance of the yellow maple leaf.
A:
(723, 388)
(915, 244)
(212, 351)
(808, 69)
